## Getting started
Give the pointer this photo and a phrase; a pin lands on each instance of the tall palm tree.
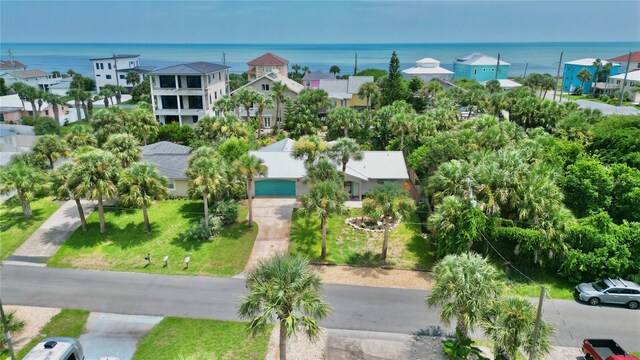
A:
(125, 147)
(132, 78)
(296, 68)
(309, 148)
(60, 182)
(75, 94)
(80, 136)
(250, 167)
(32, 94)
(584, 76)
(226, 105)
(509, 323)
(345, 149)
(286, 289)
(246, 97)
(55, 101)
(142, 121)
(51, 147)
(95, 176)
(278, 95)
(207, 177)
(106, 94)
(389, 204)
(324, 199)
(598, 65)
(324, 171)
(140, 185)
(84, 97)
(343, 117)
(466, 286)
(108, 122)
(40, 99)
(23, 178)
(368, 90)
(263, 103)
(401, 123)
(19, 88)
(335, 70)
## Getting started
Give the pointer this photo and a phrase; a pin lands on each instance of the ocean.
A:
(535, 57)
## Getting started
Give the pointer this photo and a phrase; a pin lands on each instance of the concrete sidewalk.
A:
(273, 217)
(46, 241)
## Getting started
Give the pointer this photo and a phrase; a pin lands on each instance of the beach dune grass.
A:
(345, 245)
(184, 338)
(67, 323)
(126, 243)
(14, 229)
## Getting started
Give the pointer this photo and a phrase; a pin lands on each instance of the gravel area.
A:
(299, 347)
(363, 276)
(35, 318)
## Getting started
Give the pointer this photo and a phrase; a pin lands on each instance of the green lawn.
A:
(178, 338)
(68, 323)
(14, 229)
(557, 287)
(345, 245)
(125, 244)
(83, 123)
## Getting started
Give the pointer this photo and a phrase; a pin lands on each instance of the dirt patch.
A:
(91, 261)
(364, 276)
(35, 318)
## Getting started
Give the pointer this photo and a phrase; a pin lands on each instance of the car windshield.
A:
(600, 285)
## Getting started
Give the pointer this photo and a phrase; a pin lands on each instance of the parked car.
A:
(58, 348)
(611, 291)
(604, 349)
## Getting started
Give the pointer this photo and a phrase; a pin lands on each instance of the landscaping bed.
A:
(14, 229)
(126, 243)
(183, 338)
(407, 248)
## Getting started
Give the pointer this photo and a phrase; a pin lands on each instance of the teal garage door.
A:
(275, 188)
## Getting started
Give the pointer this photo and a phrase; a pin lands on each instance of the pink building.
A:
(311, 80)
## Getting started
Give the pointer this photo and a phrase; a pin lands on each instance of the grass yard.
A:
(14, 229)
(182, 338)
(407, 248)
(556, 289)
(126, 243)
(82, 123)
(68, 323)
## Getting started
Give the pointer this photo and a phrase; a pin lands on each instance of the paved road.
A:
(355, 307)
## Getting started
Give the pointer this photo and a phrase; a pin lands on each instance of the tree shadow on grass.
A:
(10, 219)
(368, 258)
(130, 235)
(305, 235)
(191, 211)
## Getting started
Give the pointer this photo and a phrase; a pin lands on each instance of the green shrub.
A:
(226, 210)
(198, 232)
(45, 125)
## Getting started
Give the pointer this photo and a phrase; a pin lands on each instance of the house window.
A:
(265, 87)
(618, 82)
(101, 66)
(219, 76)
(169, 102)
(484, 69)
(266, 122)
(122, 77)
(46, 112)
(194, 82)
(108, 76)
(109, 65)
(167, 81)
(194, 119)
(216, 95)
(475, 72)
(492, 69)
(171, 185)
(209, 78)
(195, 102)
(97, 66)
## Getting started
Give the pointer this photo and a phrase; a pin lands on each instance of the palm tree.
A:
(140, 185)
(19, 88)
(51, 147)
(226, 104)
(95, 176)
(584, 76)
(343, 117)
(85, 97)
(40, 98)
(106, 94)
(296, 68)
(389, 204)
(466, 286)
(32, 94)
(278, 95)
(60, 186)
(132, 78)
(55, 101)
(309, 148)
(142, 121)
(23, 178)
(118, 90)
(335, 70)
(345, 149)
(510, 323)
(401, 123)
(263, 103)
(207, 177)
(80, 136)
(324, 199)
(75, 94)
(250, 167)
(287, 290)
(246, 97)
(598, 65)
(125, 147)
(324, 171)
(109, 121)
(368, 89)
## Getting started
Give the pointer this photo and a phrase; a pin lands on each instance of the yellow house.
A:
(344, 92)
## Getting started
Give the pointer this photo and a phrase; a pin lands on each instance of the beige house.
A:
(172, 161)
(266, 64)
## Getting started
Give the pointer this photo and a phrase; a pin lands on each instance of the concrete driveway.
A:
(113, 335)
(607, 109)
(273, 216)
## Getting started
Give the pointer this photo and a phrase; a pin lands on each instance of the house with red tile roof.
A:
(634, 63)
(265, 64)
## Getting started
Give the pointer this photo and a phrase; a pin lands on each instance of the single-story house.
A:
(12, 110)
(344, 92)
(505, 84)
(630, 80)
(172, 161)
(286, 175)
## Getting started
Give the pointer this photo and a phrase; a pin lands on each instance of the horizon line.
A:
(335, 43)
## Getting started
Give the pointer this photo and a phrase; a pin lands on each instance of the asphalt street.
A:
(354, 307)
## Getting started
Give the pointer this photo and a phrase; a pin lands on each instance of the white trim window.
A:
(171, 185)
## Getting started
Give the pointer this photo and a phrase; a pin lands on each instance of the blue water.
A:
(540, 57)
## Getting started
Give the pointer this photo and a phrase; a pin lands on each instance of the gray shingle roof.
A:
(194, 68)
(317, 75)
(165, 148)
(356, 81)
(171, 159)
(138, 69)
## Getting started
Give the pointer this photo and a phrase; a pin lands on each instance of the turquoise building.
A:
(570, 80)
(479, 67)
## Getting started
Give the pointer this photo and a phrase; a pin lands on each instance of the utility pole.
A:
(7, 335)
(526, 66)
(536, 330)
(555, 87)
(498, 67)
(355, 67)
(625, 80)
(115, 66)
(561, 87)
(226, 73)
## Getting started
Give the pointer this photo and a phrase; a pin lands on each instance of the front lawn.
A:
(68, 323)
(177, 338)
(126, 243)
(14, 229)
(66, 129)
(407, 248)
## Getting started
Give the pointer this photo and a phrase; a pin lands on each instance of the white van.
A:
(59, 348)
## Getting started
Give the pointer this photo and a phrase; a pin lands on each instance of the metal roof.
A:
(275, 76)
(282, 145)
(317, 75)
(117, 56)
(505, 83)
(194, 68)
(281, 165)
(427, 70)
(587, 62)
(354, 83)
(479, 59)
(139, 69)
(30, 73)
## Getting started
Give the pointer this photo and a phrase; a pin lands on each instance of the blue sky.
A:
(318, 21)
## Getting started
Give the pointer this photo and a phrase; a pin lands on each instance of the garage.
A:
(275, 188)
